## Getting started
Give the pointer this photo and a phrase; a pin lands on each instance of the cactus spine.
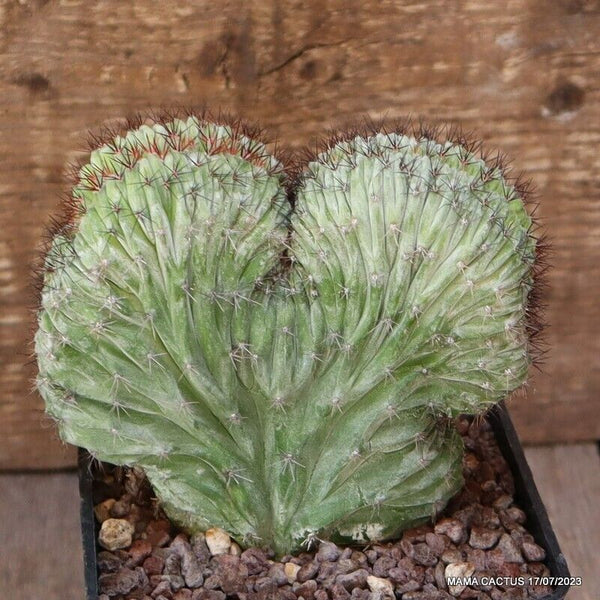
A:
(285, 370)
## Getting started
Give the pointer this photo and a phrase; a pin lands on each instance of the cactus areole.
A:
(282, 354)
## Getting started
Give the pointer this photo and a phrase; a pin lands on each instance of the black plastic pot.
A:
(526, 496)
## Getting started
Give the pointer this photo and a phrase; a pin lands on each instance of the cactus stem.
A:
(290, 463)
(235, 418)
(278, 403)
(235, 475)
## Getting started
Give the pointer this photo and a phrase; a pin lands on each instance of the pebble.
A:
(108, 562)
(102, 510)
(436, 542)
(115, 534)
(503, 502)
(533, 552)
(218, 541)
(138, 551)
(461, 569)
(291, 571)
(382, 588)
(453, 528)
(121, 582)
(516, 514)
(483, 538)
(339, 592)
(153, 565)
(191, 569)
(307, 571)
(424, 555)
(328, 552)
(509, 549)
(382, 566)
(121, 507)
(356, 579)
(452, 555)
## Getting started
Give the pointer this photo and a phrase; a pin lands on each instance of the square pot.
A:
(526, 496)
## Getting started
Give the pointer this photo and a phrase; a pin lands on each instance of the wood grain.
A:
(568, 479)
(41, 540)
(523, 74)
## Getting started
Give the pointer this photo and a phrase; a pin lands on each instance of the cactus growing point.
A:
(282, 354)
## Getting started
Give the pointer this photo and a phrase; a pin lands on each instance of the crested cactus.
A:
(282, 354)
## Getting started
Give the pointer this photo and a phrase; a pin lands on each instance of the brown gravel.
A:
(481, 532)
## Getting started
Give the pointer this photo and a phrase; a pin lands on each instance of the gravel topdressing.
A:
(482, 532)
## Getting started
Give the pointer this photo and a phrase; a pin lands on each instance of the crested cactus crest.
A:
(282, 354)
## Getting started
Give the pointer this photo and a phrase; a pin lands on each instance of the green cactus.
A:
(282, 353)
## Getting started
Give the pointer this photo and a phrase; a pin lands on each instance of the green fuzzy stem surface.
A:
(285, 373)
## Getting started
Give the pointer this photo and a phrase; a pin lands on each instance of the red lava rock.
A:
(509, 549)
(327, 570)
(483, 538)
(307, 589)
(424, 555)
(231, 572)
(416, 534)
(108, 562)
(452, 555)
(339, 592)
(276, 573)
(509, 570)
(359, 558)
(157, 532)
(255, 560)
(138, 551)
(516, 514)
(308, 571)
(382, 566)
(494, 559)
(120, 582)
(533, 552)
(153, 565)
(503, 502)
(538, 569)
(328, 552)
(121, 507)
(477, 558)
(453, 528)
(470, 462)
(436, 542)
(407, 548)
(345, 565)
(466, 516)
(356, 579)
(203, 594)
(183, 594)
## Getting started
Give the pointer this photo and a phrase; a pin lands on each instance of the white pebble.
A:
(218, 541)
(115, 534)
(381, 588)
(460, 569)
(291, 571)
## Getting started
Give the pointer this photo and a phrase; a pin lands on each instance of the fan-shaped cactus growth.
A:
(281, 354)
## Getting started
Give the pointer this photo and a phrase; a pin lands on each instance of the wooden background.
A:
(524, 74)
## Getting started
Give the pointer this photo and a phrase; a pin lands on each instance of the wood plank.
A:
(41, 542)
(568, 479)
(522, 73)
